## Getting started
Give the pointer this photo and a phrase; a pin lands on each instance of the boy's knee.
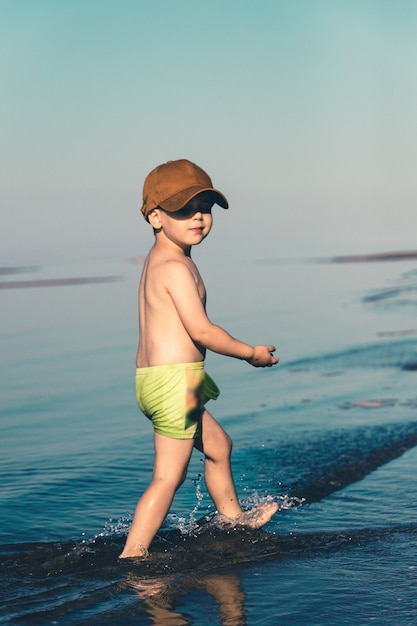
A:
(223, 449)
(171, 482)
(228, 444)
(181, 479)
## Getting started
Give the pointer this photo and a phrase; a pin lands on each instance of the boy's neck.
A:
(170, 247)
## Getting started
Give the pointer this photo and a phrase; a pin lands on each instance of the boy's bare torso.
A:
(165, 339)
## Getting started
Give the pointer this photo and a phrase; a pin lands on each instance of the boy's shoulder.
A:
(170, 267)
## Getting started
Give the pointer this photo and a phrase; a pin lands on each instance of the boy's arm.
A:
(182, 288)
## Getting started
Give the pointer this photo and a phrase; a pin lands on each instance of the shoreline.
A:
(57, 282)
(377, 256)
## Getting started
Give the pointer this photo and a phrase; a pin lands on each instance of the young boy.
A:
(175, 332)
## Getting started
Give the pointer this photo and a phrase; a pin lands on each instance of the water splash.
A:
(193, 526)
(87, 545)
(188, 527)
(115, 529)
(284, 501)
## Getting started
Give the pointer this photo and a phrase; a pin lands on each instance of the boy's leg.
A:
(170, 467)
(216, 445)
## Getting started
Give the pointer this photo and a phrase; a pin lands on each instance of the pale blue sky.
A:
(302, 111)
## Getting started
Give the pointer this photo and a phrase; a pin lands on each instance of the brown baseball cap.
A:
(173, 184)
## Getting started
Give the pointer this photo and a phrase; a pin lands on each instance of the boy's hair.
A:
(172, 185)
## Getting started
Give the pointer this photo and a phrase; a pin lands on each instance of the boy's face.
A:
(188, 226)
(199, 204)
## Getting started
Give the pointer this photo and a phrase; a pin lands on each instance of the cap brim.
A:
(180, 199)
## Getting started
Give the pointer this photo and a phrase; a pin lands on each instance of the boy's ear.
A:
(154, 218)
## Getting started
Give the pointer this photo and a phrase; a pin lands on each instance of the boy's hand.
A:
(263, 356)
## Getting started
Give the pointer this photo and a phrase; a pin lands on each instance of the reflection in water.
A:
(160, 596)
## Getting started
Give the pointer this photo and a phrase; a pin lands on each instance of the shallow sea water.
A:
(330, 434)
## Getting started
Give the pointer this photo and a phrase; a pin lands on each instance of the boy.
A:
(175, 332)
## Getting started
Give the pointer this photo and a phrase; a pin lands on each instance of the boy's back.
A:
(163, 337)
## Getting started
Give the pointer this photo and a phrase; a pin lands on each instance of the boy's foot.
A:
(254, 518)
(137, 552)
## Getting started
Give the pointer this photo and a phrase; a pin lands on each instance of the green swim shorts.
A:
(173, 396)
